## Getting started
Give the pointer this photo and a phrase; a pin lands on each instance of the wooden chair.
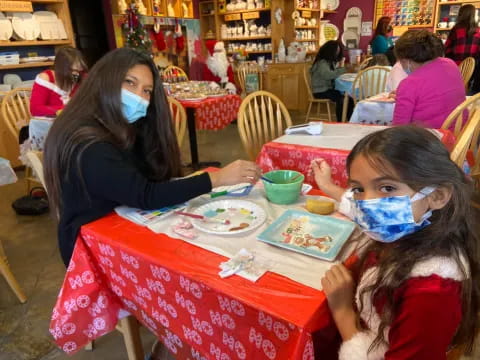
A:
(15, 112)
(466, 68)
(262, 117)
(467, 140)
(364, 63)
(312, 100)
(172, 69)
(456, 117)
(249, 68)
(8, 275)
(179, 118)
(369, 82)
(35, 159)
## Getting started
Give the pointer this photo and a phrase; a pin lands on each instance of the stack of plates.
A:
(6, 30)
(25, 27)
(51, 27)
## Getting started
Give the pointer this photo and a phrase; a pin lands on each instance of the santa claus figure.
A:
(218, 68)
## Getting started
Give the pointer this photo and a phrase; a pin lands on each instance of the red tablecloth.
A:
(275, 155)
(214, 113)
(173, 288)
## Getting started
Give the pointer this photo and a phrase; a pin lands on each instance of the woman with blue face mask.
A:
(417, 288)
(114, 144)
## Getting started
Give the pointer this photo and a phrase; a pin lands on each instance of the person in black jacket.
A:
(114, 144)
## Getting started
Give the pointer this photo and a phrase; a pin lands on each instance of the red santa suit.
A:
(47, 98)
(218, 69)
(429, 312)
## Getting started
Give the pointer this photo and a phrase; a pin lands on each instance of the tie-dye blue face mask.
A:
(386, 219)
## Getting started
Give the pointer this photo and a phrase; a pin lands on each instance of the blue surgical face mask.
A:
(386, 219)
(134, 107)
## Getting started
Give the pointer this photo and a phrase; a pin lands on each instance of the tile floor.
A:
(30, 243)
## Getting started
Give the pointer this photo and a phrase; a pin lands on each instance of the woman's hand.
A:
(339, 287)
(392, 94)
(239, 171)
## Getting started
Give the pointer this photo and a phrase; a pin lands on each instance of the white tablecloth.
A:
(7, 175)
(369, 112)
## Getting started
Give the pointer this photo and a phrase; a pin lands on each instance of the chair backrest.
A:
(467, 140)
(179, 118)
(308, 81)
(171, 70)
(369, 82)
(364, 63)
(457, 116)
(15, 110)
(262, 117)
(466, 68)
(35, 159)
(249, 68)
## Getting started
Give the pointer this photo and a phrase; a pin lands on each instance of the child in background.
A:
(328, 65)
(418, 288)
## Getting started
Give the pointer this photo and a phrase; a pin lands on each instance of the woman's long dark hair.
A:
(419, 159)
(331, 52)
(466, 19)
(95, 115)
(383, 27)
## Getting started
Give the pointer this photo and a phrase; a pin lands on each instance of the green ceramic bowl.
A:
(283, 191)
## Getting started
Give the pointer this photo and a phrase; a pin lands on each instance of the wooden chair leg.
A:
(28, 175)
(328, 112)
(7, 273)
(345, 108)
(308, 111)
(89, 346)
(129, 328)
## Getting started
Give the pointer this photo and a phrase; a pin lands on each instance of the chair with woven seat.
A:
(262, 117)
(243, 73)
(369, 82)
(179, 118)
(466, 67)
(15, 112)
(172, 70)
(312, 100)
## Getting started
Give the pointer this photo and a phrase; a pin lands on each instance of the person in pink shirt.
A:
(434, 86)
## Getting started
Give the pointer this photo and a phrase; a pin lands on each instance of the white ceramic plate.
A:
(330, 32)
(61, 29)
(333, 4)
(350, 35)
(25, 28)
(354, 12)
(243, 216)
(39, 15)
(12, 79)
(6, 29)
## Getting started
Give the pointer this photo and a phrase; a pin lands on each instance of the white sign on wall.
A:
(366, 28)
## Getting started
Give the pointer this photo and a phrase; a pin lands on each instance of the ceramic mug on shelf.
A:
(442, 24)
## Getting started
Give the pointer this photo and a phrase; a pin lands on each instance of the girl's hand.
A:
(392, 94)
(239, 171)
(338, 286)
(322, 172)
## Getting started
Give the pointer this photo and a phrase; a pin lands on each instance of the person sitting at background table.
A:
(415, 292)
(327, 66)
(382, 40)
(114, 144)
(217, 68)
(395, 77)
(434, 86)
(53, 89)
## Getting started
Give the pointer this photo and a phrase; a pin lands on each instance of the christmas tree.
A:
(136, 36)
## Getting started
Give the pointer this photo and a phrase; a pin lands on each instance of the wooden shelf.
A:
(35, 42)
(420, 26)
(247, 38)
(26, 65)
(443, 29)
(206, 15)
(306, 27)
(47, 1)
(253, 52)
(308, 9)
(325, 11)
(244, 11)
(312, 52)
(304, 40)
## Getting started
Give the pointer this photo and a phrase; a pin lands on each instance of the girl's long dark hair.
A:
(95, 115)
(331, 52)
(419, 159)
(466, 19)
(65, 57)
